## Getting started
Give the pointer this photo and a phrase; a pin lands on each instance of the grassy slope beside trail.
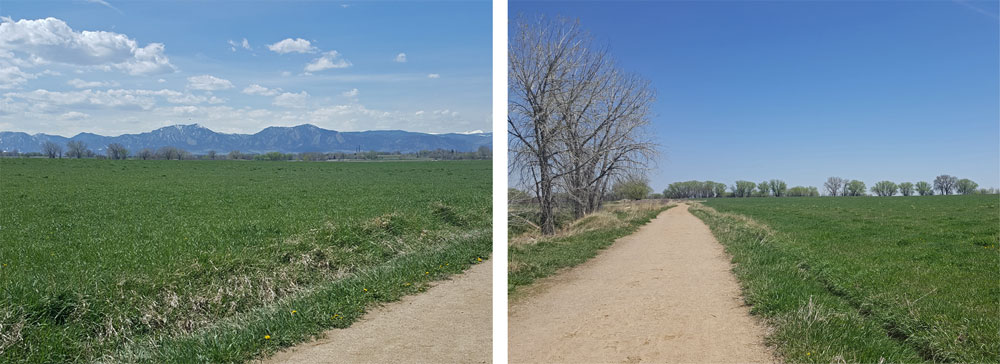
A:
(907, 279)
(167, 261)
(531, 257)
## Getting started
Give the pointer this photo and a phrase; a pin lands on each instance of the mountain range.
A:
(296, 139)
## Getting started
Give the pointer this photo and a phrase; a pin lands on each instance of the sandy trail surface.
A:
(663, 294)
(449, 323)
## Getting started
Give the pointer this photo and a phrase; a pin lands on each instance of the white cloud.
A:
(256, 89)
(184, 110)
(245, 45)
(286, 73)
(114, 112)
(401, 58)
(433, 75)
(208, 83)
(291, 100)
(330, 59)
(148, 60)
(78, 83)
(74, 115)
(12, 76)
(44, 100)
(129, 99)
(446, 112)
(289, 45)
(351, 93)
(161, 80)
(51, 40)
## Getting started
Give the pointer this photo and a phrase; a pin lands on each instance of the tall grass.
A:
(123, 260)
(904, 279)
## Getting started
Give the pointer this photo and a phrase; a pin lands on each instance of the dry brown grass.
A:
(612, 215)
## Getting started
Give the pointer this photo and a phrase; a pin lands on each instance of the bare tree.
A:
(945, 184)
(169, 153)
(211, 155)
(76, 149)
(833, 185)
(52, 150)
(604, 114)
(117, 151)
(145, 154)
(576, 122)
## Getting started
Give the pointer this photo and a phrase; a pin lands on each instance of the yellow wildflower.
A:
(267, 337)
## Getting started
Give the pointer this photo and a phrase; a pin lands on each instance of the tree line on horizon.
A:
(834, 186)
(78, 149)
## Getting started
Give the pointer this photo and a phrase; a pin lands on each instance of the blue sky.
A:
(900, 91)
(113, 67)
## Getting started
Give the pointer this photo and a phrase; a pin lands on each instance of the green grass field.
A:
(907, 279)
(532, 256)
(220, 261)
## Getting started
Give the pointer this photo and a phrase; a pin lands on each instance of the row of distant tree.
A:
(78, 149)
(834, 186)
(943, 184)
(710, 189)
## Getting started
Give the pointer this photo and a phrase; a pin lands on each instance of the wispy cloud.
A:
(256, 89)
(433, 75)
(78, 83)
(401, 58)
(245, 45)
(291, 100)
(105, 3)
(208, 83)
(976, 9)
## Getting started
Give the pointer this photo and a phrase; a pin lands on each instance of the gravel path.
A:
(662, 294)
(449, 323)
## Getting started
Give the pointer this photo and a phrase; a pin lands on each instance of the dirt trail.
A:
(663, 294)
(449, 323)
